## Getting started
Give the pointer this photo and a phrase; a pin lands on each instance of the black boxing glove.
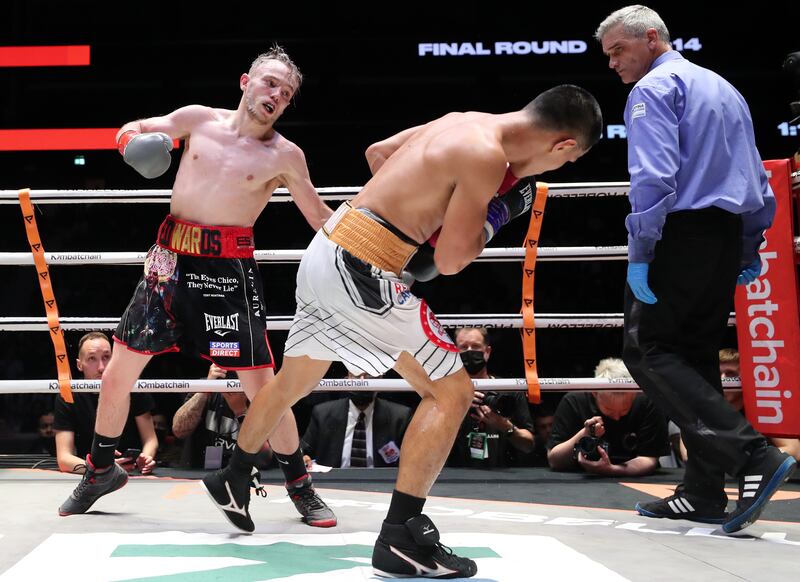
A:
(421, 266)
(514, 198)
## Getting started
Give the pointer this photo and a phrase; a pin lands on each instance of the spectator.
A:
(161, 427)
(169, 447)
(676, 457)
(334, 435)
(543, 416)
(729, 368)
(303, 408)
(210, 445)
(45, 443)
(74, 423)
(497, 429)
(729, 364)
(627, 423)
(19, 413)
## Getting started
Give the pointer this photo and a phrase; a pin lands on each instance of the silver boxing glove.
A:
(147, 153)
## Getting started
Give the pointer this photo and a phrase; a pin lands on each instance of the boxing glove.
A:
(147, 153)
(514, 198)
(422, 266)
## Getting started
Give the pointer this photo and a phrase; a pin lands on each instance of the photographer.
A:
(208, 423)
(498, 426)
(791, 66)
(74, 423)
(607, 433)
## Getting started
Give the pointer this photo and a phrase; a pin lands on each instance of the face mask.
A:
(361, 398)
(474, 361)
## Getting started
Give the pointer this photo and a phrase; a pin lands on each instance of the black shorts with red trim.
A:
(197, 303)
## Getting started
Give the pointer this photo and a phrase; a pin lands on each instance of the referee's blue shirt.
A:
(691, 146)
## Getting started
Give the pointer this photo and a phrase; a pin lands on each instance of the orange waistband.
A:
(367, 239)
(200, 240)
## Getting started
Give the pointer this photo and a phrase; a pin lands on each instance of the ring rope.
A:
(332, 193)
(515, 254)
(495, 254)
(334, 385)
(563, 190)
(284, 322)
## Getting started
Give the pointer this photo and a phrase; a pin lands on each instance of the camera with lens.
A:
(499, 403)
(791, 66)
(587, 446)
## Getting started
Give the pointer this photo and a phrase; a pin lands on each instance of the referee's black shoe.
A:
(683, 506)
(768, 469)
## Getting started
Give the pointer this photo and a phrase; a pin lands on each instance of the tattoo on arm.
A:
(188, 416)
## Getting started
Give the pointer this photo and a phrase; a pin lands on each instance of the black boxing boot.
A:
(412, 549)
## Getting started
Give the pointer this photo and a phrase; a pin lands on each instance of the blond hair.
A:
(276, 53)
(611, 369)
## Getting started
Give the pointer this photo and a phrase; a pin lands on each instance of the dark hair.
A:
(483, 331)
(90, 336)
(571, 109)
(541, 410)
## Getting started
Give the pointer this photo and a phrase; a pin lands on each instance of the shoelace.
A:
(445, 549)
(260, 489)
(308, 497)
(85, 481)
(454, 561)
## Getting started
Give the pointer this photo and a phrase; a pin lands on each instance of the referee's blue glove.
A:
(637, 280)
(749, 273)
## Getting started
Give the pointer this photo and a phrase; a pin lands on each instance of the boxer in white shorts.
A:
(438, 193)
(365, 317)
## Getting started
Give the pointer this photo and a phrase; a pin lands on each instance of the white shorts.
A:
(352, 312)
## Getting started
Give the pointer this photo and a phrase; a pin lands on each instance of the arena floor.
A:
(519, 525)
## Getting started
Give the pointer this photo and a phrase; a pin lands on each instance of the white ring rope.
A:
(284, 322)
(332, 193)
(610, 253)
(330, 385)
(497, 254)
(563, 190)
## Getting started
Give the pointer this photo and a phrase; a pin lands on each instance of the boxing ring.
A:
(518, 523)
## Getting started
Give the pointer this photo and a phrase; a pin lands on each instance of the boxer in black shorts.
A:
(200, 294)
(201, 290)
